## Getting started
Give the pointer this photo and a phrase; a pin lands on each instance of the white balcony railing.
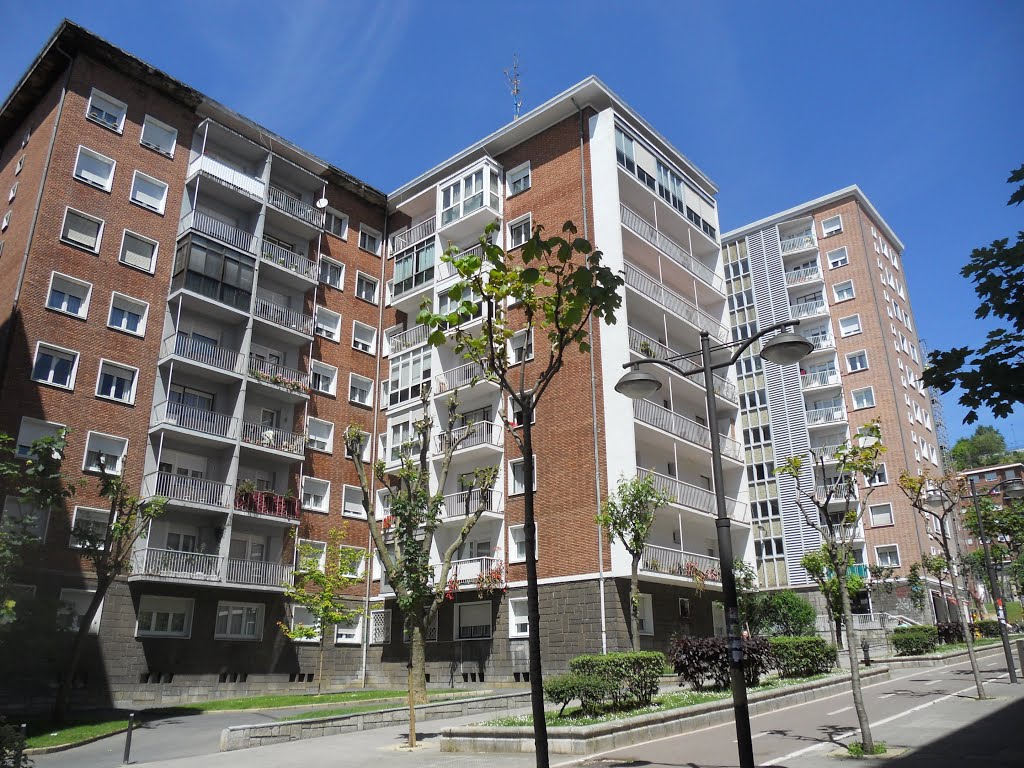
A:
(197, 566)
(459, 505)
(283, 316)
(820, 379)
(647, 231)
(463, 376)
(466, 573)
(207, 225)
(194, 419)
(259, 573)
(825, 452)
(797, 243)
(674, 562)
(647, 346)
(808, 309)
(400, 340)
(675, 424)
(193, 490)
(278, 375)
(412, 235)
(446, 270)
(233, 178)
(822, 341)
(839, 491)
(271, 437)
(201, 351)
(291, 204)
(673, 302)
(293, 262)
(828, 415)
(487, 433)
(801, 276)
(692, 496)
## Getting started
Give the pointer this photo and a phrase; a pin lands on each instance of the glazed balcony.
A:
(289, 261)
(269, 504)
(647, 346)
(688, 566)
(271, 438)
(196, 420)
(693, 497)
(283, 317)
(671, 301)
(258, 573)
(204, 353)
(649, 233)
(291, 205)
(683, 428)
(805, 309)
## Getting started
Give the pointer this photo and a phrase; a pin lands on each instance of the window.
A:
(138, 251)
(863, 398)
(473, 620)
(323, 378)
(516, 413)
(106, 110)
(360, 389)
(13, 193)
(881, 514)
(888, 556)
(89, 527)
(301, 616)
(239, 621)
(624, 151)
(328, 324)
(55, 366)
(364, 337)
(352, 501)
(519, 231)
(127, 314)
(20, 165)
(349, 632)
(116, 382)
(837, 258)
(312, 555)
(73, 605)
(366, 288)
(857, 361)
(831, 226)
(518, 623)
(413, 267)
(516, 481)
(410, 372)
(646, 618)
(315, 494)
(521, 347)
(94, 169)
(148, 192)
(518, 179)
(22, 517)
(6, 221)
(849, 326)
(369, 240)
(104, 453)
(684, 609)
(32, 430)
(332, 273)
(321, 434)
(517, 543)
(158, 136)
(365, 443)
(82, 230)
(843, 291)
(380, 627)
(880, 477)
(68, 295)
(336, 223)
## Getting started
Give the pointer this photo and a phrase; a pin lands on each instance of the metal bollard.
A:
(128, 739)
(867, 652)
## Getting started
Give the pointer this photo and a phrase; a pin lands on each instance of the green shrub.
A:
(787, 614)
(629, 675)
(758, 659)
(987, 627)
(11, 744)
(803, 656)
(591, 690)
(703, 662)
(950, 632)
(915, 641)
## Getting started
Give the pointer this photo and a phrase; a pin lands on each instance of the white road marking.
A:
(886, 696)
(934, 682)
(838, 711)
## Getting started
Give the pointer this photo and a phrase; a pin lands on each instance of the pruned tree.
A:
(937, 500)
(627, 515)
(848, 489)
(320, 585)
(819, 567)
(551, 288)
(109, 549)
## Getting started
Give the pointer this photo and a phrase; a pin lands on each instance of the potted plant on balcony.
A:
(244, 492)
(490, 581)
(646, 349)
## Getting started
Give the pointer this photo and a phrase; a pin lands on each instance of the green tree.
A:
(819, 568)
(835, 509)
(989, 376)
(986, 446)
(627, 515)
(320, 583)
(789, 614)
(546, 295)
(751, 602)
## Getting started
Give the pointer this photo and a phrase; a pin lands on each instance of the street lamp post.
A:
(1014, 490)
(784, 349)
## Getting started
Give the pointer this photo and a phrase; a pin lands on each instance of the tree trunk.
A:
(851, 649)
(540, 726)
(634, 603)
(320, 669)
(412, 705)
(60, 705)
(418, 657)
(942, 596)
(964, 616)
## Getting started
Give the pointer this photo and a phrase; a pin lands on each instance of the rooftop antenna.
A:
(512, 78)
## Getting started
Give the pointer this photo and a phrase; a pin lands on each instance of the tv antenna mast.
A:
(513, 80)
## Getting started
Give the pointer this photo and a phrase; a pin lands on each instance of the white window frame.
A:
(511, 475)
(460, 607)
(160, 125)
(326, 487)
(853, 398)
(514, 415)
(386, 638)
(835, 262)
(152, 180)
(516, 224)
(261, 610)
(832, 230)
(347, 490)
(366, 447)
(99, 517)
(111, 101)
(843, 333)
(134, 387)
(329, 446)
(376, 287)
(369, 232)
(16, 509)
(315, 623)
(896, 548)
(342, 217)
(355, 637)
(871, 515)
(334, 262)
(885, 476)
(94, 628)
(143, 318)
(54, 348)
(38, 429)
(526, 345)
(137, 236)
(516, 175)
(372, 344)
(321, 560)
(513, 631)
(369, 399)
(333, 390)
(118, 468)
(74, 281)
(645, 608)
(74, 243)
(317, 324)
(854, 355)
(106, 187)
(513, 543)
(835, 291)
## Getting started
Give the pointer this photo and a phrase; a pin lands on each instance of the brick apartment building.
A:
(985, 480)
(834, 264)
(207, 307)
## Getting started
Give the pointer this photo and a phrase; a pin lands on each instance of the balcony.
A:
(225, 174)
(400, 340)
(838, 491)
(647, 346)
(686, 565)
(170, 563)
(858, 569)
(291, 262)
(466, 375)
(804, 309)
(831, 415)
(409, 293)
(796, 243)
(820, 342)
(273, 439)
(227, 234)
(446, 270)
(470, 202)
(283, 317)
(258, 573)
(487, 435)
(803, 276)
(674, 303)
(683, 428)
(189, 491)
(648, 232)
(304, 212)
(474, 573)
(192, 419)
(458, 506)
(412, 235)
(269, 504)
(279, 377)
(819, 379)
(826, 453)
(202, 352)
(694, 497)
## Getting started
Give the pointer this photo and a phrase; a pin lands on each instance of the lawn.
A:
(289, 700)
(41, 734)
(364, 708)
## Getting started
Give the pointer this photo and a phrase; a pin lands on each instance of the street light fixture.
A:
(783, 349)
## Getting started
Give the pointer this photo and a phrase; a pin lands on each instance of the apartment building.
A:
(207, 307)
(835, 265)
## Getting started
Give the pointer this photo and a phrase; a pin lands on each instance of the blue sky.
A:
(919, 103)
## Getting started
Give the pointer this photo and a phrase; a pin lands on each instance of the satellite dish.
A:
(321, 203)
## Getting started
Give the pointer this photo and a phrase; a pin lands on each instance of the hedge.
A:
(802, 656)
(915, 641)
(703, 662)
(591, 690)
(950, 632)
(630, 675)
(987, 627)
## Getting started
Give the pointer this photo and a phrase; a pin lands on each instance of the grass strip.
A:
(355, 710)
(41, 734)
